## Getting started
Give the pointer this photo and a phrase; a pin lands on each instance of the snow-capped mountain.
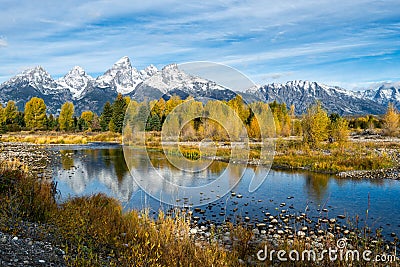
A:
(123, 78)
(89, 93)
(34, 82)
(302, 94)
(36, 77)
(173, 81)
(385, 93)
(86, 92)
(76, 81)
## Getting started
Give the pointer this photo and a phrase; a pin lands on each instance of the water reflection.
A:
(85, 170)
(316, 186)
(67, 159)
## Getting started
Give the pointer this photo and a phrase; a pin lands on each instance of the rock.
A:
(256, 231)
(301, 234)
(15, 238)
(226, 239)
(193, 231)
(261, 225)
(341, 216)
(276, 236)
(274, 221)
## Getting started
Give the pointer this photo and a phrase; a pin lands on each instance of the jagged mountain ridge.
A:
(89, 93)
(302, 94)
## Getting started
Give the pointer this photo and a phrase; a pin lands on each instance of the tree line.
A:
(34, 117)
(314, 126)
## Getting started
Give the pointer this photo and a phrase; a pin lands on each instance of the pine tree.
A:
(118, 113)
(2, 119)
(66, 118)
(51, 122)
(153, 123)
(35, 113)
(106, 116)
(391, 121)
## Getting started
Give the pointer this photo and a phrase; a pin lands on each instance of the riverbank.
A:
(371, 155)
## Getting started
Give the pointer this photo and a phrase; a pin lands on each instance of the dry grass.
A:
(60, 138)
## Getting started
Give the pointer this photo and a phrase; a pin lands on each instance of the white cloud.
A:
(3, 42)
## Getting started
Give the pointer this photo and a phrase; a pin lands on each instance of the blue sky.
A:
(347, 43)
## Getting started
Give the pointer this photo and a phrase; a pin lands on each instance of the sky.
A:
(354, 44)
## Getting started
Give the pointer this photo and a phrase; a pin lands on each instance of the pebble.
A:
(301, 234)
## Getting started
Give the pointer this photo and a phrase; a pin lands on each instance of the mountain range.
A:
(89, 93)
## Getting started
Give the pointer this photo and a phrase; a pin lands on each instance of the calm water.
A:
(89, 169)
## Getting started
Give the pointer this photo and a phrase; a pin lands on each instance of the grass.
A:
(332, 159)
(60, 138)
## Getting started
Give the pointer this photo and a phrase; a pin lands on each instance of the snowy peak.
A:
(302, 94)
(76, 81)
(121, 77)
(36, 77)
(385, 93)
(148, 71)
(171, 77)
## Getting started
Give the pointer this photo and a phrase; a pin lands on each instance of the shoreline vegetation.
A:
(366, 156)
(94, 231)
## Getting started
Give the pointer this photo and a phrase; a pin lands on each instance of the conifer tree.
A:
(106, 116)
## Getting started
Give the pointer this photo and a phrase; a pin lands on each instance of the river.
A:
(101, 168)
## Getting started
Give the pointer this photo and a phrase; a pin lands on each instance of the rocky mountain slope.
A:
(89, 93)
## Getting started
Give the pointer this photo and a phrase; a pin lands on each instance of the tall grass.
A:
(61, 138)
